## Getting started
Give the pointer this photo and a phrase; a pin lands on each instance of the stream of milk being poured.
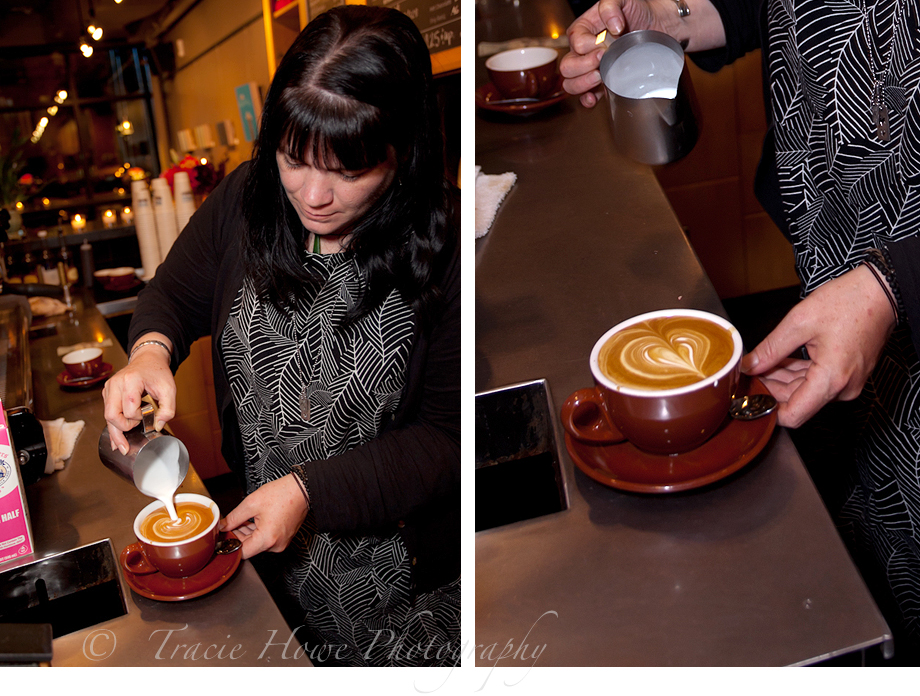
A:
(644, 71)
(157, 474)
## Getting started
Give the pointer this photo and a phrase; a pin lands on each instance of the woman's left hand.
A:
(844, 325)
(269, 517)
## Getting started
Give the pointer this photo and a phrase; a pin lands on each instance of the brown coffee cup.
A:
(81, 364)
(116, 279)
(175, 559)
(697, 351)
(530, 73)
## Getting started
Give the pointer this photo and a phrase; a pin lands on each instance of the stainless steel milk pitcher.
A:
(146, 447)
(650, 129)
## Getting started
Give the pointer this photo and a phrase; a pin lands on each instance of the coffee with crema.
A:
(665, 353)
(193, 520)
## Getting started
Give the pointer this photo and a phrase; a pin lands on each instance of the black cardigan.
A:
(408, 478)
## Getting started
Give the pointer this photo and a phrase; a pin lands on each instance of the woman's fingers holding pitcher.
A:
(581, 76)
(613, 16)
(269, 517)
(582, 33)
(579, 67)
(123, 393)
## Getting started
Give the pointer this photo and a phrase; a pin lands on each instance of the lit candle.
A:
(127, 216)
(108, 218)
(78, 222)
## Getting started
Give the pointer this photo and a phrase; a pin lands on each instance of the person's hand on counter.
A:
(269, 517)
(844, 325)
(147, 372)
(700, 30)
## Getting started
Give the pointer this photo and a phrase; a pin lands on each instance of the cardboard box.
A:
(15, 528)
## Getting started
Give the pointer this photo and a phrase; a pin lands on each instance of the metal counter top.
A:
(236, 625)
(748, 571)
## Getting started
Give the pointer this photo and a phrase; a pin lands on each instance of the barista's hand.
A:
(701, 30)
(579, 66)
(844, 324)
(147, 373)
(269, 517)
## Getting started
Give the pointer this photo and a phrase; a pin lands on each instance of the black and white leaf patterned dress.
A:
(354, 589)
(845, 190)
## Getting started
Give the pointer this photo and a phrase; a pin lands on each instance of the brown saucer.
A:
(68, 382)
(627, 468)
(164, 589)
(488, 94)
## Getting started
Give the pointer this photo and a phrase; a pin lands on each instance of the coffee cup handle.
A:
(134, 561)
(584, 417)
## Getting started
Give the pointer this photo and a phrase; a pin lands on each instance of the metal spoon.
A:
(522, 100)
(752, 406)
(227, 546)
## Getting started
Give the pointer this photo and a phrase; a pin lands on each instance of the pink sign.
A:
(15, 535)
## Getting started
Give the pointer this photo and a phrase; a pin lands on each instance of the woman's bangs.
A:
(338, 133)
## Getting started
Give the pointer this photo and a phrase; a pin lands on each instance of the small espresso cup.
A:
(524, 73)
(81, 364)
(179, 558)
(664, 380)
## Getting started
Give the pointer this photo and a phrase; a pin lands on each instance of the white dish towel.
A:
(60, 438)
(491, 190)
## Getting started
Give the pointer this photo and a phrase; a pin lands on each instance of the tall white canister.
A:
(185, 199)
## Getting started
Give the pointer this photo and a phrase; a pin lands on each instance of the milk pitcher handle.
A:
(148, 417)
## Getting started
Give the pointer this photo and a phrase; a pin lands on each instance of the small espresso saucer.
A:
(68, 382)
(488, 97)
(627, 468)
(165, 589)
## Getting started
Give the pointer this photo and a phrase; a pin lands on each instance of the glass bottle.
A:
(48, 273)
(29, 268)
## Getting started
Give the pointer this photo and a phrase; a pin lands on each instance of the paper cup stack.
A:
(165, 215)
(185, 200)
(145, 227)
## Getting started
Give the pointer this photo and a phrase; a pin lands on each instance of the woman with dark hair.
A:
(327, 272)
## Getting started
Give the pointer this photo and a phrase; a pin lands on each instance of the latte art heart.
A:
(665, 353)
(193, 519)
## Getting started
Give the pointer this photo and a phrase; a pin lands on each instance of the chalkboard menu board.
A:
(438, 20)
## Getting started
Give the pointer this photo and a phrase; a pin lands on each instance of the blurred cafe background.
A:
(117, 119)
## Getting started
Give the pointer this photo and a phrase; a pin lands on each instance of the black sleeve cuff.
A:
(903, 256)
(741, 20)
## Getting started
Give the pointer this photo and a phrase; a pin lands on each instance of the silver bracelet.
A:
(683, 10)
(150, 342)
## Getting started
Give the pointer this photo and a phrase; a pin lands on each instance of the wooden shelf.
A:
(281, 27)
